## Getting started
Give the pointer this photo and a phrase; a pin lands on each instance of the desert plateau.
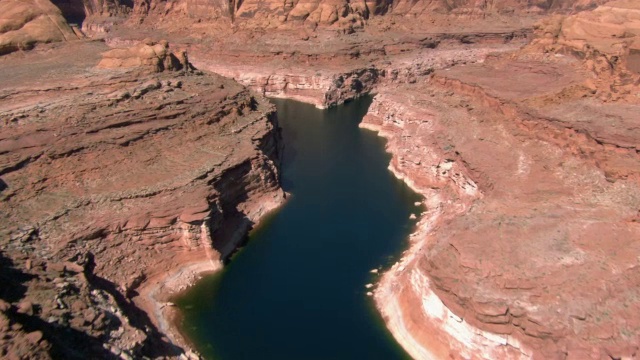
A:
(450, 179)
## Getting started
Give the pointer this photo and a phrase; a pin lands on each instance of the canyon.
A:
(117, 190)
(138, 148)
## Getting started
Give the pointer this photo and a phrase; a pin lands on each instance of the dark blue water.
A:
(297, 290)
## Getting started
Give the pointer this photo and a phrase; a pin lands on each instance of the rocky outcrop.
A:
(121, 184)
(607, 38)
(345, 16)
(148, 55)
(528, 192)
(115, 191)
(610, 29)
(24, 23)
(328, 72)
(321, 89)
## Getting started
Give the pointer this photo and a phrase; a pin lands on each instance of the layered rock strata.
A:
(148, 55)
(529, 245)
(117, 190)
(528, 163)
(607, 39)
(327, 71)
(345, 16)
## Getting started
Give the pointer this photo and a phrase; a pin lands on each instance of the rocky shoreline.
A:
(117, 172)
(424, 298)
(442, 330)
(113, 186)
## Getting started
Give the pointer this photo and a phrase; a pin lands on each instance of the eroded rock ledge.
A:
(116, 191)
(327, 70)
(531, 178)
(528, 162)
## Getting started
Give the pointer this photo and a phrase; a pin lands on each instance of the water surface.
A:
(297, 290)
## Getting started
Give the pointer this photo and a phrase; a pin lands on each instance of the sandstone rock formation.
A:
(529, 245)
(23, 23)
(148, 55)
(343, 15)
(76, 11)
(608, 38)
(119, 181)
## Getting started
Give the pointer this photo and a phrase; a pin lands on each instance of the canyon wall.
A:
(528, 247)
(121, 183)
(320, 89)
(96, 18)
(344, 15)
(346, 12)
(328, 72)
(126, 178)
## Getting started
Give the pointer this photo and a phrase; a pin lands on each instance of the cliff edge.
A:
(117, 191)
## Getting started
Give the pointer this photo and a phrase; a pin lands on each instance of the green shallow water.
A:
(297, 290)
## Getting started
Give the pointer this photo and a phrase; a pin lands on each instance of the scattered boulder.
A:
(25, 307)
(4, 306)
(5, 324)
(34, 337)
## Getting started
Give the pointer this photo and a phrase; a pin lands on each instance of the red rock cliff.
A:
(123, 183)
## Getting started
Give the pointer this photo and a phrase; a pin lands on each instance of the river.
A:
(297, 290)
